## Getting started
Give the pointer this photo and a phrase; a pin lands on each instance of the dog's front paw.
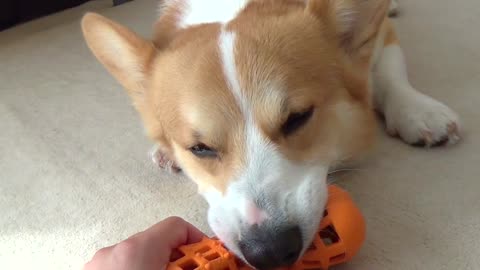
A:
(393, 9)
(422, 121)
(163, 161)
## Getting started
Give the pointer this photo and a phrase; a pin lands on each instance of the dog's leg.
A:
(163, 161)
(417, 118)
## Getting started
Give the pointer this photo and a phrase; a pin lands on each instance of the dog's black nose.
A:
(268, 249)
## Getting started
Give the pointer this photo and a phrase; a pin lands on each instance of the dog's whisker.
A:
(332, 176)
(344, 170)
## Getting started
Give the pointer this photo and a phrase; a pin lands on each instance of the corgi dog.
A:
(256, 100)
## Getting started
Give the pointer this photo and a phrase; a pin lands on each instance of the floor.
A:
(75, 175)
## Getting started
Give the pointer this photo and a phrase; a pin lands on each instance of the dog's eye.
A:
(295, 121)
(202, 151)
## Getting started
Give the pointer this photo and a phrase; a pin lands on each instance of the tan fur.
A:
(307, 82)
(313, 58)
(175, 101)
(390, 34)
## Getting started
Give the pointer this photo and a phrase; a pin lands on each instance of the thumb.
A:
(162, 239)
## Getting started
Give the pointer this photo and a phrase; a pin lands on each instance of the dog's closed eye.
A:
(203, 151)
(295, 121)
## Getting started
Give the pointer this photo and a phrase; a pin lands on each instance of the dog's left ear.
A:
(128, 57)
(353, 22)
(124, 54)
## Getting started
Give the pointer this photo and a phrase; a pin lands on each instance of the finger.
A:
(98, 259)
(161, 240)
(173, 232)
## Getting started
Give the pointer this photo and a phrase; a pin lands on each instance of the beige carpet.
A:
(75, 175)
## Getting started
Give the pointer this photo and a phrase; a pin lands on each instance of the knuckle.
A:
(125, 252)
(88, 266)
(101, 253)
(175, 220)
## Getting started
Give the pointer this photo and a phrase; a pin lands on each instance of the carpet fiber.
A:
(75, 175)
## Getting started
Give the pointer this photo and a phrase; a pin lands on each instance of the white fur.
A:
(227, 49)
(206, 11)
(410, 114)
(393, 7)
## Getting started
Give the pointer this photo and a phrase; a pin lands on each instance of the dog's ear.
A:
(353, 22)
(168, 24)
(125, 55)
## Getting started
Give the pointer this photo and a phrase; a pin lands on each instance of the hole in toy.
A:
(311, 263)
(312, 247)
(338, 258)
(329, 236)
(189, 265)
(316, 268)
(212, 256)
(176, 255)
(325, 213)
(203, 249)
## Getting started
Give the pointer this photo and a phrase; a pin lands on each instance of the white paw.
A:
(393, 10)
(421, 121)
(162, 161)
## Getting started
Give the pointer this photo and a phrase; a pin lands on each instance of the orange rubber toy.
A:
(341, 234)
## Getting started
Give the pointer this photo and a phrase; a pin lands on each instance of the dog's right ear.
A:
(354, 22)
(124, 54)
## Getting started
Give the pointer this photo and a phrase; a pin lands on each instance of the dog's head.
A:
(255, 106)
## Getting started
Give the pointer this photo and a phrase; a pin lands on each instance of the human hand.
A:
(147, 250)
